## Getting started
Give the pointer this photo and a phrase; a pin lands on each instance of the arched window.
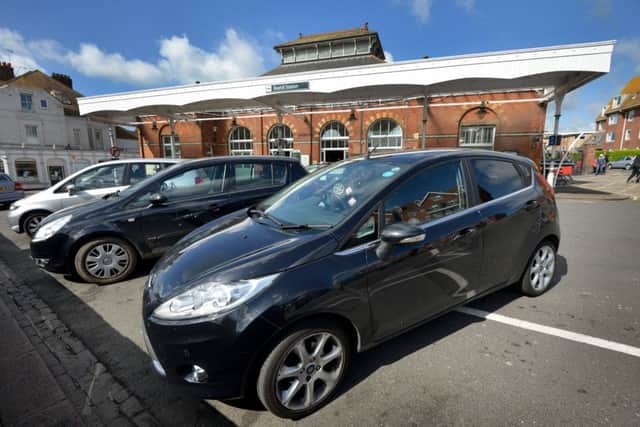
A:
(385, 134)
(280, 140)
(240, 142)
(334, 142)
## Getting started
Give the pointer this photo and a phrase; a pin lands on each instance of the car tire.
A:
(297, 378)
(105, 260)
(32, 220)
(540, 270)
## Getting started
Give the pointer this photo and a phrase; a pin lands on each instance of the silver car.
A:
(10, 191)
(623, 163)
(83, 186)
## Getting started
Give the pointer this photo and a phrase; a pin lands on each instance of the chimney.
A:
(64, 79)
(365, 26)
(6, 71)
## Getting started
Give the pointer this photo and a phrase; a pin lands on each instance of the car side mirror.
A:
(71, 189)
(399, 233)
(157, 199)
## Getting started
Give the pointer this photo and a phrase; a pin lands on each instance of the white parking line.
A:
(568, 335)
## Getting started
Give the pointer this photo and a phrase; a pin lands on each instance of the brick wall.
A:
(518, 117)
(620, 129)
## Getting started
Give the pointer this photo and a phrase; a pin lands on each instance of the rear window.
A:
(497, 178)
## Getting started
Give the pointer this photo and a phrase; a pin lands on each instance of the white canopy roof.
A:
(558, 68)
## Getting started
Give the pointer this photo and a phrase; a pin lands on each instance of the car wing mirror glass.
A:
(72, 189)
(399, 233)
(157, 199)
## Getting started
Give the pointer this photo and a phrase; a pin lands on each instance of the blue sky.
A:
(122, 45)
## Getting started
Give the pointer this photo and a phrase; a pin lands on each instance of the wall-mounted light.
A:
(234, 122)
(352, 116)
(482, 110)
(154, 125)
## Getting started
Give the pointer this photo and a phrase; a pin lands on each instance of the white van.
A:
(83, 186)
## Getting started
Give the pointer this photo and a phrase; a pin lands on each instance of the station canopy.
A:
(556, 70)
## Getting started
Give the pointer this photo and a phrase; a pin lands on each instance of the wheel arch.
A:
(24, 216)
(98, 234)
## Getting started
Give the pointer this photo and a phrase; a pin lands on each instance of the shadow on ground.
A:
(123, 358)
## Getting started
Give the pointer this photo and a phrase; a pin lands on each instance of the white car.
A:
(83, 186)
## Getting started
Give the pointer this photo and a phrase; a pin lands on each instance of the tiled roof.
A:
(630, 95)
(353, 61)
(36, 79)
(333, 35)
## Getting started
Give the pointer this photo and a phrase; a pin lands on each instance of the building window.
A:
(169, 150)
(32, 131)
(334, 142)
(477, 136)
(385, 134)
(76, 137)
(599, 126)
(288, 56)
(26, 170)
(43, 104)
(611, 136)
(99, 138)
(324, 51)
(630, 115)
(26, 101)
(616, 101)
(613, 119)
(280, 140)
(627, 135)
(240, 142)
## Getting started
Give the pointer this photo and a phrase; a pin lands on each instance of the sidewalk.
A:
(610, 186)
(47, 376)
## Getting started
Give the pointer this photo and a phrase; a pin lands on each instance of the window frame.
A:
(386, 136)
(23, 98)
(631, 115)
(477, 128)
(290, 140)
(627, 135)
(613, 119)
(613, 136)
(240, 151)
(176, 153)
(44, 104)
(232, 164)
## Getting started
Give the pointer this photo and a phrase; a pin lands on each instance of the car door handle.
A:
(465, 232)
(531, 205)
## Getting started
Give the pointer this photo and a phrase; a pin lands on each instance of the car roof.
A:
(138, 160)
(239, 159)
(422, 156)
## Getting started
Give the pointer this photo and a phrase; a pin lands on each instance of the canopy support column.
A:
(425, 110)
(558, 98)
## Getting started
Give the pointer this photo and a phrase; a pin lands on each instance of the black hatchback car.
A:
(103, 240)
(275, 299)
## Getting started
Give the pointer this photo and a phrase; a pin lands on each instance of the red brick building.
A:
(619, 120)
(510, 121)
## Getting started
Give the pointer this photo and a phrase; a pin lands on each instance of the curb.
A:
(601, 197)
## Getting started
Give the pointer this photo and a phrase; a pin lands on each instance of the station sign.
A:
(285, 87)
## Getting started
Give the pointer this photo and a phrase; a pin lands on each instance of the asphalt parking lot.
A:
(462, 369)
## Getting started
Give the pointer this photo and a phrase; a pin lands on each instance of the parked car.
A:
(10, 191)
(83, 186)
(623, 163)
(101, 242)
(275, 299)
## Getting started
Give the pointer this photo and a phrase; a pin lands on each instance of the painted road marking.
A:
(561, 333)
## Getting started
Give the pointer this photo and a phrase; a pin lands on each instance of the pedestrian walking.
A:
(635, 170)
(606, 163)
(601, 165)
(594, 164)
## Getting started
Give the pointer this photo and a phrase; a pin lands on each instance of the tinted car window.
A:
(431, 194)
(252, 175)
(190, 183)
(280, 172)
(496, 178)
(525, 172)
(101, 177)
(140, 171)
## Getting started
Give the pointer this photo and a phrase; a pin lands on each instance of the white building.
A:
(42, 136)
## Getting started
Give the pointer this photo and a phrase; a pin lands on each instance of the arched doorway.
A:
(280, 140)
(334, 142)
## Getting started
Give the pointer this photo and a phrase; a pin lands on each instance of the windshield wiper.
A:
(263, 214)
(304, 226)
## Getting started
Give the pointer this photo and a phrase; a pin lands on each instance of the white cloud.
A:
(631, 49)
(178, 61)
(467, 5)
(388, 56)
(421, 9)
(14, 49)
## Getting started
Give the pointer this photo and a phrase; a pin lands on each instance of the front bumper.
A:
(209, 359)
(13, 218)
(51, 254)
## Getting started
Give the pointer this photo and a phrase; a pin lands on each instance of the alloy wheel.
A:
(107, 260)
(32, 223)
(310, 371)
(542, 268)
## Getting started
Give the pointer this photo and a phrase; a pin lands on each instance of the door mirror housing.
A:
(399, 233)
(157, 199)
(71, 189)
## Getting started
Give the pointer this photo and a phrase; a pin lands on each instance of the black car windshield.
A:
(330, 195)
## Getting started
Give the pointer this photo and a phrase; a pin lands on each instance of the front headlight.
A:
(14, 206)
(51, 228)
(210, 298)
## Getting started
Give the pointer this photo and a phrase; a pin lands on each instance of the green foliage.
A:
(618, 154)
